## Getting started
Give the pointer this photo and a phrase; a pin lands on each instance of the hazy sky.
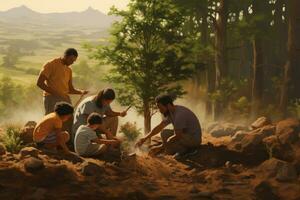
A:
(46, 6)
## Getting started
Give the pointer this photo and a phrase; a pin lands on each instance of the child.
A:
(86, 141)
(48, 132)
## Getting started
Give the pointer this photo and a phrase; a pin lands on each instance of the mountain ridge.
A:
(89, 18)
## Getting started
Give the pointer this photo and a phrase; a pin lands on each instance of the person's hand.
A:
(141, 142)
(123, 114)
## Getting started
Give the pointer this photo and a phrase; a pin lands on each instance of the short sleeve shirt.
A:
(84, 109)
(184, 119)
(83, 138)
(46, 126)
(58, 76)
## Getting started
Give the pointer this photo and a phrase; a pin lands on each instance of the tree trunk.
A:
(280, 28)
(258, 59)
(220, 52)
(147, 117)
(258, 76)
(291, 85)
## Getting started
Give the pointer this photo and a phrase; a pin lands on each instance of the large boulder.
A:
(2, 149)
(255, 138)
(27, 131)
(278, 150)
(288, 131)
(238, 136)
(281, 170)
(33, 164)
(225, 129)
(260, 122)
(29, 152)
(251, 145)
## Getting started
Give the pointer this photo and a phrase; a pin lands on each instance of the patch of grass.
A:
(11, 138)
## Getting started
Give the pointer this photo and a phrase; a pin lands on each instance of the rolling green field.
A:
(42, 45)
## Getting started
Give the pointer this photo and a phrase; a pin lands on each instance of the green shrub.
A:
(131, 133)
(294, 108)
(11, 139)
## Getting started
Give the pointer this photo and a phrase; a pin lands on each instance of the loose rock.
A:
(33, 164)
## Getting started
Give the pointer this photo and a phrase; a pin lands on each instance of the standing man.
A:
(55, 79)
(185, 137)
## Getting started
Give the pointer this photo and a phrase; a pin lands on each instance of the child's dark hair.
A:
(164, 99)
(94, 118)
(63, 108)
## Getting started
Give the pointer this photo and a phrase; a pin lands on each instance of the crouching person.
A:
(186, 136)
(48, 132)
(86, 141)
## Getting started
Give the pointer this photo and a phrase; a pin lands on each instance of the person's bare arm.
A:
(155, 131)
(108, 134)
(106, 141)
(73, 90)
(41, 83)
(112, 113)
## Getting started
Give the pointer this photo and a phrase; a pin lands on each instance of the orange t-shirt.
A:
(58, 76)
(48, 124)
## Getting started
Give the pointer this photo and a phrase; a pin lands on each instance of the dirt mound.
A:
(262, 167)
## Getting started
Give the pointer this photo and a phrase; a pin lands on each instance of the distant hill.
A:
(90, 18)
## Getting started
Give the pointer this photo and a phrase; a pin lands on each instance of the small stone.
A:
(286, 173)
(205, 194)
(260, 122)
(91, 169)
(39, 194)
(137, 195)
(194, 190)
(238, 136)
(29, 151)
(228, 164)
(264, 191)
(282, 170)
(33, 164)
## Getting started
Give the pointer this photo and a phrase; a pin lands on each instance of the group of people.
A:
(91, 127)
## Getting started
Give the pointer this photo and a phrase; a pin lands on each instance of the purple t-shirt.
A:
(184, 119)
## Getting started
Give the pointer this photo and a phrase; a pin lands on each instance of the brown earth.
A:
(218, 171)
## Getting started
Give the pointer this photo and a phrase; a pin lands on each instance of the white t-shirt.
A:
(83, 138)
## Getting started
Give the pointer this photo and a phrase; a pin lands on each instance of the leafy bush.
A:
(242, 107)
(14, 96)
(294, 108)
(131, 133)
(11, 139)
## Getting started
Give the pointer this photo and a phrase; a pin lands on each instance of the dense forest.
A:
(242, 57)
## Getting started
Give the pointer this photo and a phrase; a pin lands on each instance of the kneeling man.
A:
(185, 137)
